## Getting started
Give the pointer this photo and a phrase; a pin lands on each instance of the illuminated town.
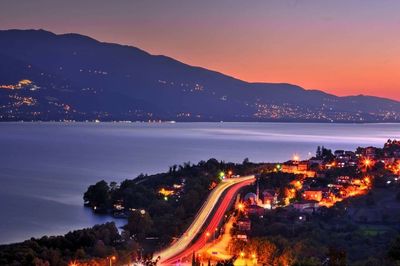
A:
(24, 100)
(298, 191)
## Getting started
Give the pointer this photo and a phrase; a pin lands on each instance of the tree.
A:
(100, 250)
(308, 262)
(318, 154)
(266, 251)
(98, 195)
(370, 201)
(236, 246)
(378, 166)
(337, 257)
(194, 259)
(139, 224)
(394, 250)
(286, 258)
(39, 262)
(113, 186)
(327, 154)
(80, 253)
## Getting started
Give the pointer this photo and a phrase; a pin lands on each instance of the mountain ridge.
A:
(107, 81)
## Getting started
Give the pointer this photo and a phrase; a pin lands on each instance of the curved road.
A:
(182, 248)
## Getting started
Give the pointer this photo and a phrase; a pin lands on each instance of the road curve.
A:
(182, 248)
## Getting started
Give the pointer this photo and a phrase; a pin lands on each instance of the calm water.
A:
(46, 167)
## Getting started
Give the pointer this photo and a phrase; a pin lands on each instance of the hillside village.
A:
(325, 179)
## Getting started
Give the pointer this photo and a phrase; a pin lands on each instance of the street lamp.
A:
(367, 163)
(214, 234)
(242, 254)
(207, 236)
(222, 175)
(254, 257)
(111, 259)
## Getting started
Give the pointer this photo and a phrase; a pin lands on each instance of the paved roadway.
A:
(218, 250)
(182, 248)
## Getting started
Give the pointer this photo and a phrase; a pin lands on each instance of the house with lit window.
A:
(244, 224)
(307, 206)
(370, 152)
(269, 198)
(255, 210)
(313, 194)
(298, 168)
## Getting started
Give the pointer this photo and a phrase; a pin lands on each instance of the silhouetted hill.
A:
(76, 77)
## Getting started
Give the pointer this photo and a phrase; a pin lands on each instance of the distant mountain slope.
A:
(76, 77)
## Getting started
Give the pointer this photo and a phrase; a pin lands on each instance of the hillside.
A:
(44, 76)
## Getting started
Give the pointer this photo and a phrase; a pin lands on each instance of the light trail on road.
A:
(182, 248)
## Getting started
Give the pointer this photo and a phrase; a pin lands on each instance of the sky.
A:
(345, 47)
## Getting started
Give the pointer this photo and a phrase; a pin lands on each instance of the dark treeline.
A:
(93, 245)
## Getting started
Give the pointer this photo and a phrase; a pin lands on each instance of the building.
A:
(343, 180)
(269, 198)
(315, 162)
(298, 168)
(244, 224)
(251, 198)
(308, 206)
(302, 166)
(339, 153)
(388, 160)
(241, 236)
(313, 194)
(344, 155)
(370, 152)
(255, 210)
(289, 168)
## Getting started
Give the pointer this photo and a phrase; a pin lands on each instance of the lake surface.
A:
(46, 167)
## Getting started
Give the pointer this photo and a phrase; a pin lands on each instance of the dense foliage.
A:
(93, 244)
(354, 232)
(145, 206)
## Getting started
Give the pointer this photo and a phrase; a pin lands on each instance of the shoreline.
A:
(197, 122)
